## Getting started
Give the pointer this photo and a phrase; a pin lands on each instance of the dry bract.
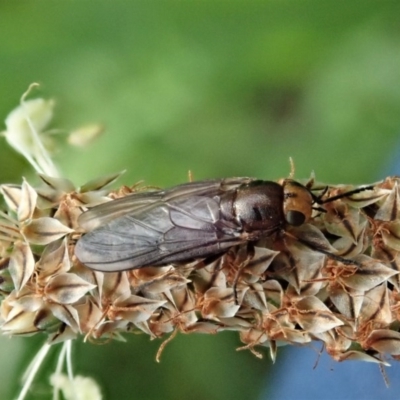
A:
(334, 280)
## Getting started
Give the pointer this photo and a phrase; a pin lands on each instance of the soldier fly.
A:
(191, 221)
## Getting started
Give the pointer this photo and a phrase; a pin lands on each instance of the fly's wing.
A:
(162, 227)
(141, 202)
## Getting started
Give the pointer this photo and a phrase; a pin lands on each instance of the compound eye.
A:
(295, 218)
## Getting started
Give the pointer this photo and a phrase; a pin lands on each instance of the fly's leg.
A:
(242, 258)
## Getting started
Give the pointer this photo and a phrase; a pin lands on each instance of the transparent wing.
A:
(161, 227)
(144, 201)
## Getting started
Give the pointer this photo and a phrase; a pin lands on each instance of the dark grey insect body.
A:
(189, 221)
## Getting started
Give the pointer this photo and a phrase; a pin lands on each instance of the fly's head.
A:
(297, 202)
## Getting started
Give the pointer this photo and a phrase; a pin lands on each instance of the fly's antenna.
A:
(318, 199)
(347, 194)
(341, 195)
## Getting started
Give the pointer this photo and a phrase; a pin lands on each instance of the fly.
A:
(191, 221)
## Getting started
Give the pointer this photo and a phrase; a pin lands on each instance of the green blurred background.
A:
(221, 88)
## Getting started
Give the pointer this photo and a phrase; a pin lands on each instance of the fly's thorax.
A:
(297, 203)
(256, 206)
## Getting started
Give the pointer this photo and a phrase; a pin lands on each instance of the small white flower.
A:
(24, 127)
(80, 388)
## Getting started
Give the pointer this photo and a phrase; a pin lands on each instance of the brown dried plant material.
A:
(21, 264)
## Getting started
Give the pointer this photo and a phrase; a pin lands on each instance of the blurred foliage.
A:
(223, 88)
